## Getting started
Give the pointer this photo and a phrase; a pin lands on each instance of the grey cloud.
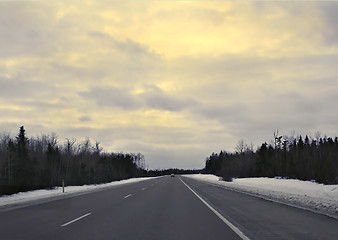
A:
(121, 97)
(15, 88)
(129, 46)
(123, 61)
(224, 68)
(225, 114)
(111, 97)
(76, 73)
(31, 95)
(229, 67)
(44, 105)
(36, 30)
(207, 14)
(267, 7)
(156, 98)
(319, 61)
(322, 82)
(9, 113)
(329, 12)
(298, 110)
(225, 78)
(84, 119)
(159, 100)
(27, 31)
(99, 35)
(133, 48)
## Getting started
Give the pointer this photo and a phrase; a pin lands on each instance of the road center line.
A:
(233, 227)
(76, 219)
(128, 196)
(143, 189)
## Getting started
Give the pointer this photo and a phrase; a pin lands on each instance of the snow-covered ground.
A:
(23, 197)
(303, 194)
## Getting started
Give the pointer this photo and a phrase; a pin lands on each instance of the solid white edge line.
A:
(128, 196)
(77, 219)
(233, 227)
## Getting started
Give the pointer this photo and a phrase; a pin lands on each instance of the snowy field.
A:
(23, 197)
(308, 195)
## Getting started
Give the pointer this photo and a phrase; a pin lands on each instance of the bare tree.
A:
(317, 136)
(240, 147)
(97, 149)
(277, 140)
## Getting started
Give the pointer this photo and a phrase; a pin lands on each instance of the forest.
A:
(41, 162)
(288, 157)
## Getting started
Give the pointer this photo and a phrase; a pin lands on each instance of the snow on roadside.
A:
(303, 194)
(23, 197)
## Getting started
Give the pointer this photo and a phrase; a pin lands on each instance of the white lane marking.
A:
(128, 196)
(77, 219)
(233, 227)
(143, 189)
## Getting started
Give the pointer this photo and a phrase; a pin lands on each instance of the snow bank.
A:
(308, 195)
(43, 194)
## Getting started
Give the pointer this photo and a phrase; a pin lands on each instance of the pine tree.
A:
(22, 168)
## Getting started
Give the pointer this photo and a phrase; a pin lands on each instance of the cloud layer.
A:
(175, 81)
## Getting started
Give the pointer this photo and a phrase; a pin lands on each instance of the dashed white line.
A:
(128, 196)
(233, 227)
(76, 219)
(143, 189)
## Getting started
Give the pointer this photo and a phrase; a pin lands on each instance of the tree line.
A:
(41, 162)
(289, 157)
(170, 171)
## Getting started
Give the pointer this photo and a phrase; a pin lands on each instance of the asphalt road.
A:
(261, 219)
(164, 208)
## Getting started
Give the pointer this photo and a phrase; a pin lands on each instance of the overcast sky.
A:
(175, 81)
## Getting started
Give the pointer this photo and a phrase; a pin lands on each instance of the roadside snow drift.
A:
(43, 194)
(308, 195)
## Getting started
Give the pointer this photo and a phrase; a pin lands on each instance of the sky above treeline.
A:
(175, 81)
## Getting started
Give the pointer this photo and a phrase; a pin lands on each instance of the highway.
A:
(164, 208)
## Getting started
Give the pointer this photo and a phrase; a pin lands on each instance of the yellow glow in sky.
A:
(160, 76)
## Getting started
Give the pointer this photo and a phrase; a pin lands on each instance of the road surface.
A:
(261, 219)
(164, 208)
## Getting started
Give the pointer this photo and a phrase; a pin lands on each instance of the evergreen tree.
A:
(22, 169)
(22, 142)
(291, 158)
